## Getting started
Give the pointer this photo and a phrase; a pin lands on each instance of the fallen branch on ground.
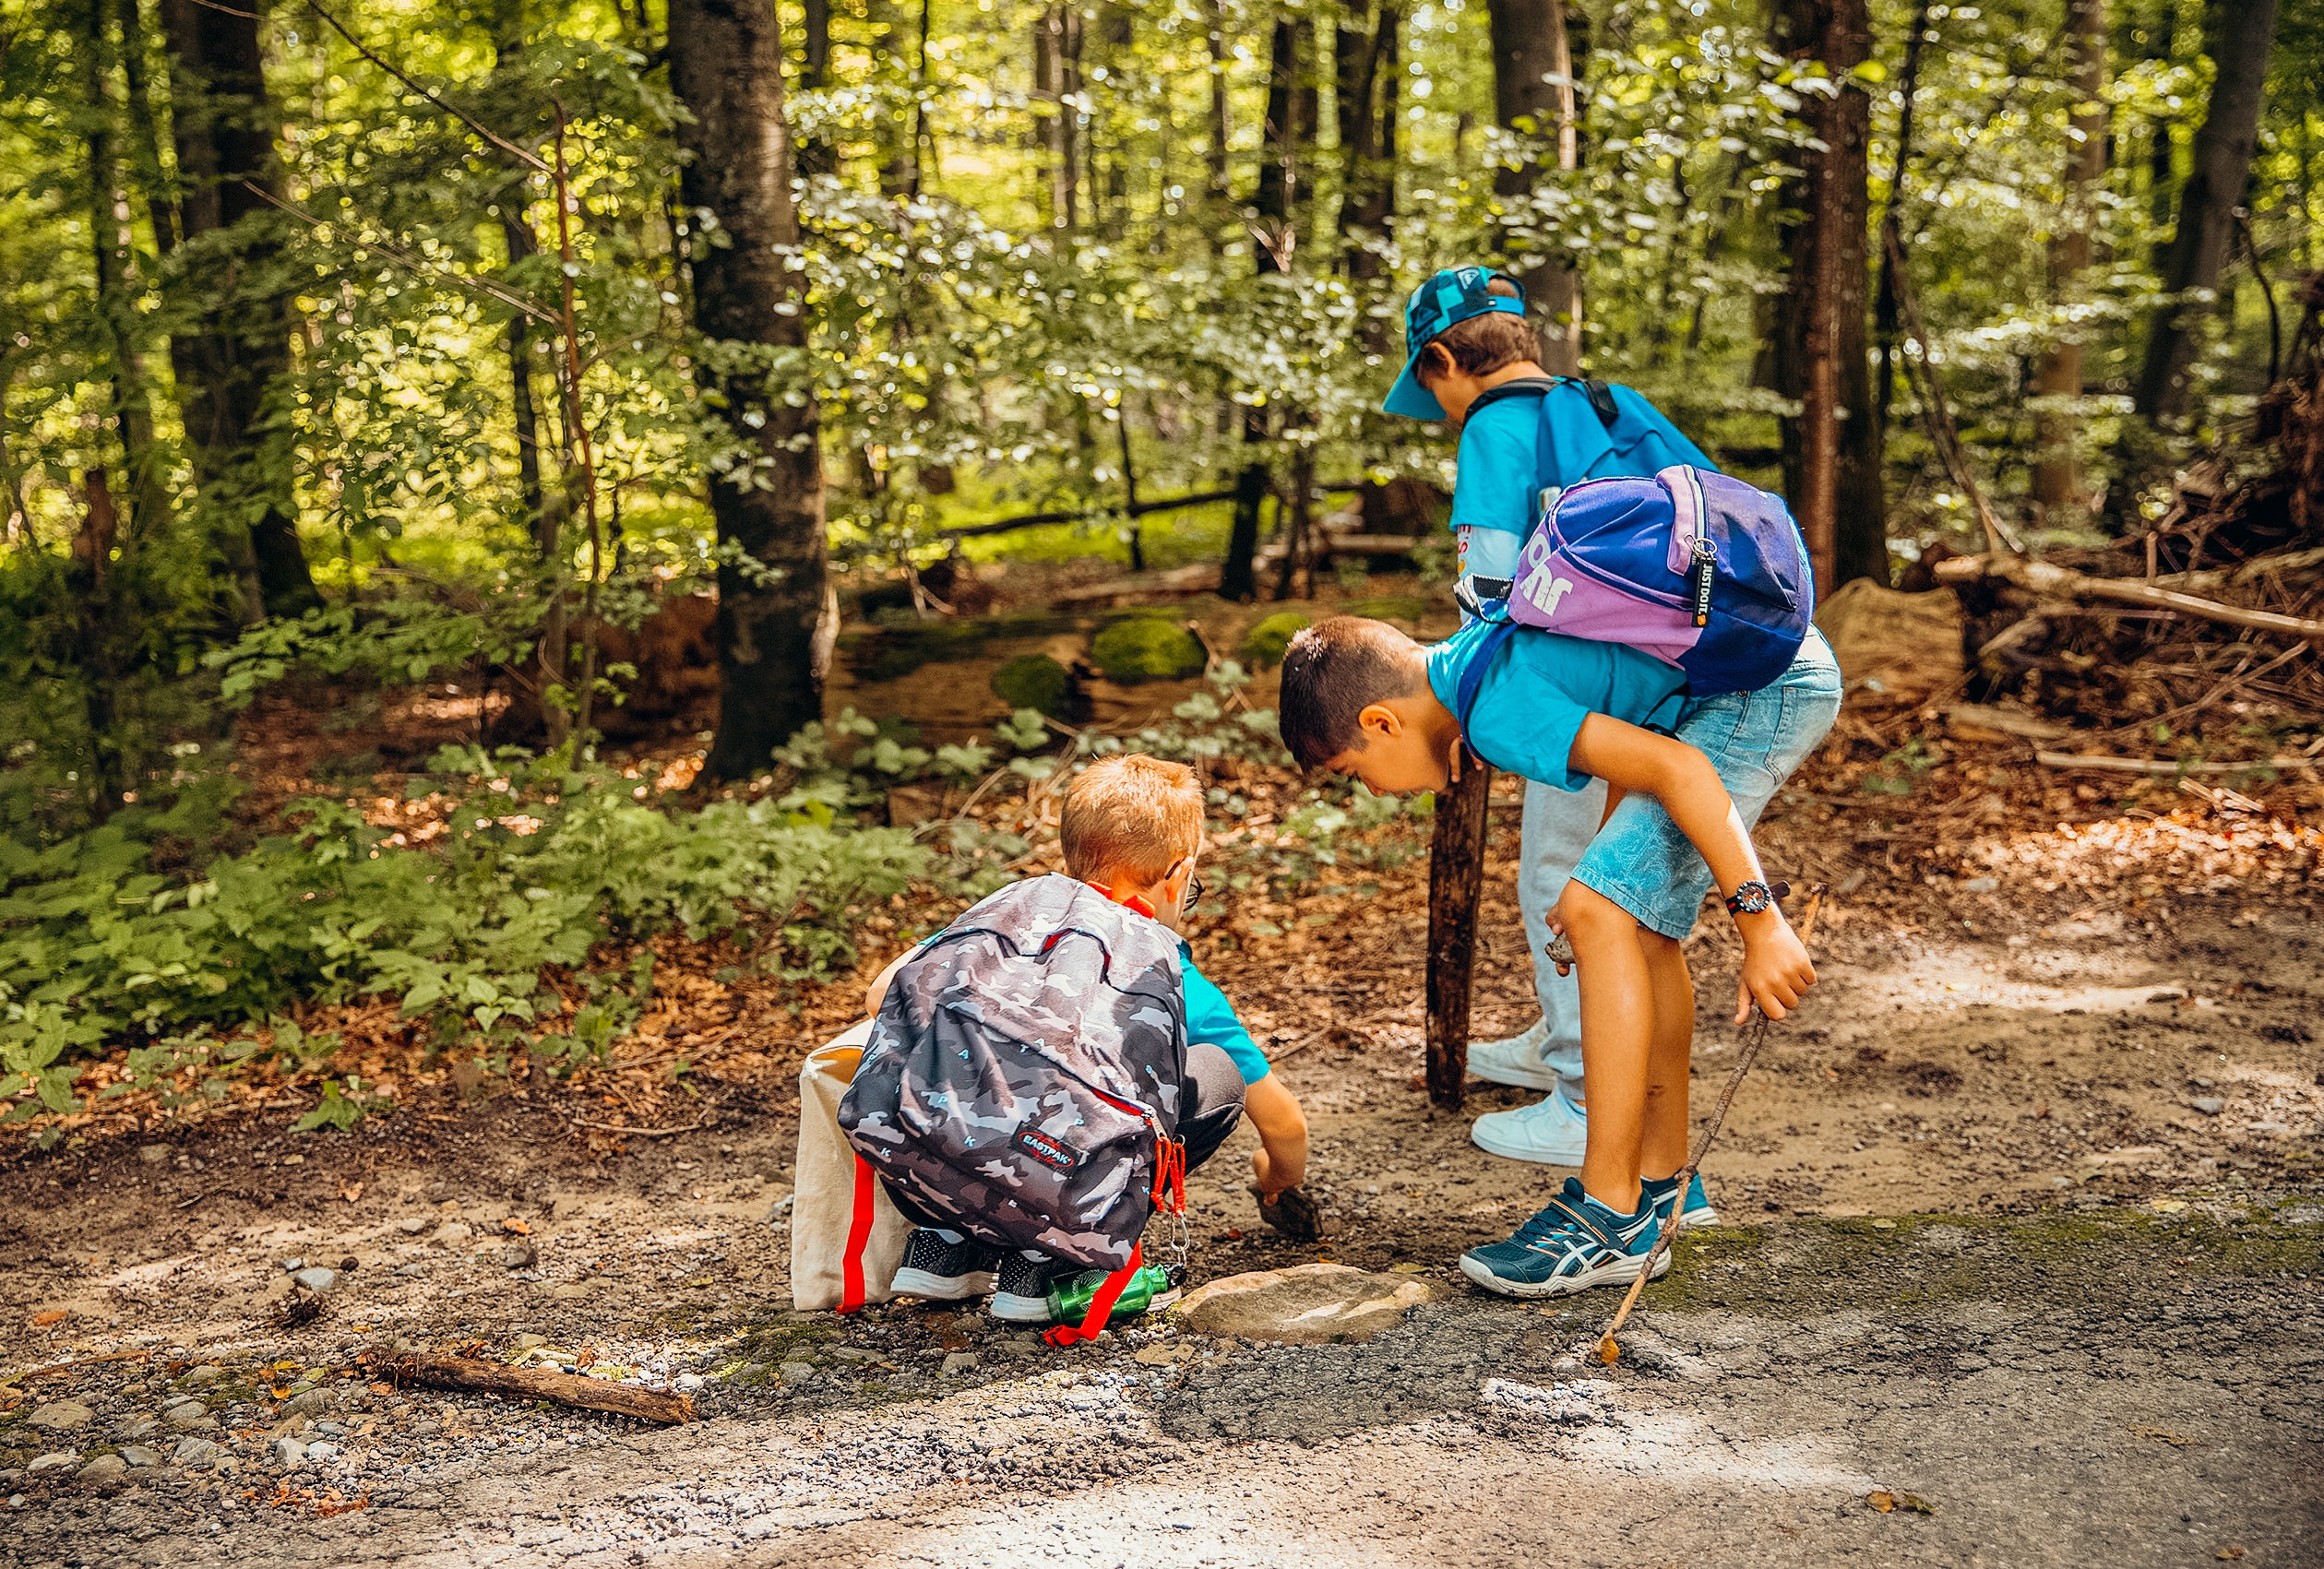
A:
(55, 1368)
(2041, 578)
(478, 1375)
(642, 1133)
(2164, 768)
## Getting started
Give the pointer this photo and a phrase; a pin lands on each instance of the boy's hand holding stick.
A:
(1608, 1352)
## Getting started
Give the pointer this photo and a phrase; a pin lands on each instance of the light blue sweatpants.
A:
(1557, 826)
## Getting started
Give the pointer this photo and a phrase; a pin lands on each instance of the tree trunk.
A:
(2245, 35)
(815, 156)
(1214, 157)
(516, 234)
(161, 204)
(113, 253)
(775, 615)
(2057, 479)
(1272, 250)
(1884, 324)
(1832, 450)
(224, 126)
(1534, 94)
(1118, 34)
(1057, 85)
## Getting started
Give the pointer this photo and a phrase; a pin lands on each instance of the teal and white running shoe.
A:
(1574, 1243)
(1698, 1212)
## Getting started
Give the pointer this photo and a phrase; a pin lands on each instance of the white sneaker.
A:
(1517, 1060)
(1553, 1131)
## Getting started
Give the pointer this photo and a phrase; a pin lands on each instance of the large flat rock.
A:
(1306, 1304)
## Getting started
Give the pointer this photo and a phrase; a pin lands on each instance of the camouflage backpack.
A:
(1025, 1075)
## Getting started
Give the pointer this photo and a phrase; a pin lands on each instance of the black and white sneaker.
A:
(1025, 1284)
(943, 1271)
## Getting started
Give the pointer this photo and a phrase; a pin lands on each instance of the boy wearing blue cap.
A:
(1474, 364)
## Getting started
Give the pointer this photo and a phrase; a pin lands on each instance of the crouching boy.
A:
(1131, 830)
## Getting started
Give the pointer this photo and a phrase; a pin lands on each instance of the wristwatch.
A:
(1751, 898)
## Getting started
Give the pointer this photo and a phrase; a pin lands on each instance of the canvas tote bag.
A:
(837, 1195)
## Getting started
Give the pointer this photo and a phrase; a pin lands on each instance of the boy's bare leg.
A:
(1618, 1012)
(1663, 1149)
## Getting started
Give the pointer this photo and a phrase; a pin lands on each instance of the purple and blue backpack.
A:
(1703, 572)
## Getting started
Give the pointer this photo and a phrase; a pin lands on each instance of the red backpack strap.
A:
(859, 1235)
(1101, 1305)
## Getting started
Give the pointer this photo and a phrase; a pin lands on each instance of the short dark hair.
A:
(1332, 672)
(1482, 344)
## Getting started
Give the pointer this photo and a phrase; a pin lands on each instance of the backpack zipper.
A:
(1706, 563)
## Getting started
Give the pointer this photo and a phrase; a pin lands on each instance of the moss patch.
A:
(1034, 680)
(1146, 648)
(1263, 644)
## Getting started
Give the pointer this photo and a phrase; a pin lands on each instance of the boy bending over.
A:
(1361, 698)
(1132, 829)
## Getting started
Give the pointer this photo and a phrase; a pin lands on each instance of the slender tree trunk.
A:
(1367, 64)
(815, 156)
(2057, 479)
(1274, 250)
(1832, 450)
(2223, 147)
(161, 201)
(1058, 79)
(896, 134)
(1117, 37)
(1886, 328)
(224, 126)
(113, 253)
(517, 235)
(1219, 192)
(776, 618)
(1532, 95)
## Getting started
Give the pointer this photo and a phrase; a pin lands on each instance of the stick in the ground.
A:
(1608, 1352)
(439, 1370)
(1455, 874)
(2042, 577)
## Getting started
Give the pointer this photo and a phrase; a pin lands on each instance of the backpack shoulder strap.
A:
(1601, 403)
(1473, 674)
(1523, 387)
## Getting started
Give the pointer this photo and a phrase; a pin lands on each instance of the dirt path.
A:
(2029, 1229)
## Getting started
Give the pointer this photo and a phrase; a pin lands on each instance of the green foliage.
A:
(534, 866)
(342, 1110)
(1145, 648)
(1033, 681)
(1897, 773)
(1263, 644)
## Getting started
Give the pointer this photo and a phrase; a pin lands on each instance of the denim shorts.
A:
(1642, 861)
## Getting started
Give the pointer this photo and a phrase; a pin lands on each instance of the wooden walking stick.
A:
(1608, 1352)
(1456, 875)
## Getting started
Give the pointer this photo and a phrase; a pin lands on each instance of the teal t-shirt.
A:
(1500, 473)
(1209, 1017)
(1539, 689)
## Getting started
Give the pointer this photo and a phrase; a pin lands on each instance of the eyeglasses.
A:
(1193, 895)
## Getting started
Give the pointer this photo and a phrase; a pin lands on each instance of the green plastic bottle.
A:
(1069, 1300)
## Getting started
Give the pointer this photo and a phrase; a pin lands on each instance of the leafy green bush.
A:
(1263, 644)
(1145, 648)
(535, 865)
(1034, 680)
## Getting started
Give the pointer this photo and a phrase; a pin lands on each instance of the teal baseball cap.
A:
(1453, 296)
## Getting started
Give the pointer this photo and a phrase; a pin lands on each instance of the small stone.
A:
(331, 1430)
(104, 1467)
(412, 1225)
(794, 1373)
(154, 1154)
(1306, 1304)
(518, 1254)
(412, 1271)
(140, 1456)
(572, 1290)
(55, 1460)
(323, 1450)
(2210, 1105)
(196, 1455)
(317, 1279)
(292, 1265)
(203, 1376)
(287, 1452)
(187, 1414)
(962, 1361)
(527, 1342)
(452, 1233)
(60, 1415)
(687, 1383)
(306, 1403)
(1166, 1353)
(854, 1354)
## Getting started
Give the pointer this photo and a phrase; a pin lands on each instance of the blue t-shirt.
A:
(1209, 1017)
(1495, 485)
(1539, 689)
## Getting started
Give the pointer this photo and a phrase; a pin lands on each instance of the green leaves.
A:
(342, 1110)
